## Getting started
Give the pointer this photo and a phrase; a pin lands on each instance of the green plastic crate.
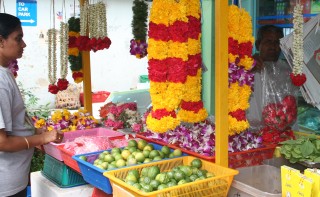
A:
(60, 174)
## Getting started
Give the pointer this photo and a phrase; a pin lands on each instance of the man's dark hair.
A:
(267, 28)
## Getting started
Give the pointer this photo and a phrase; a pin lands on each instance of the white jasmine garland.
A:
(98, 21)
(64, 29)
(84, 18)
(297, 39)
(52, 55)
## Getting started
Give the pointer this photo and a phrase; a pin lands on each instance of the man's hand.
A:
(259, 63)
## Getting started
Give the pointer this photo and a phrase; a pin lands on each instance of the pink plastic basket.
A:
(52, 148)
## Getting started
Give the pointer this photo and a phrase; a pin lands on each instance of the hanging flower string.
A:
(138, 45)
(52, 61)
(240, 63)
(297, 77)
(98, 40)
(62, 81)
(75, 58)
(174, 55)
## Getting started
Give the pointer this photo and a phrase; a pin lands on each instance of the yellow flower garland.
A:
(168, 95)
(238, 96)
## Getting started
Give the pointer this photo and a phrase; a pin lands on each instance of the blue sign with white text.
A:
(27, 12)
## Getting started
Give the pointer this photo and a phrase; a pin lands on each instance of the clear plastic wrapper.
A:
(274, 102)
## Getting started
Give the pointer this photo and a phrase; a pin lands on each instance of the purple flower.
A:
(13, 66)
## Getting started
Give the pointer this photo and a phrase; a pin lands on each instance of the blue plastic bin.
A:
(94, 175)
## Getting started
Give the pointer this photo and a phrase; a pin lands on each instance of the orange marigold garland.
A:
(240, 64)
(174, 55)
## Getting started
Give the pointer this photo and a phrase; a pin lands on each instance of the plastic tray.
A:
(67, 155)
(236, 160)
(216, 186)
(60, 174)
(52, 148)
(94, 175)
(251, 157)
(175, 146)
(262, 180)
(97, 97)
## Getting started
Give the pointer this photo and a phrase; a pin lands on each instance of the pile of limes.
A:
(151, 179)
(136, 152)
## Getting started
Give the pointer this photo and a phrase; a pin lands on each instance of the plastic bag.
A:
(274, 102)
(279, 99)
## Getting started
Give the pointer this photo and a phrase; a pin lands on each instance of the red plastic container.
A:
(67, 155)
(175, 146)
(97, 97)
(99, 193)
(236, 160)
(251, 157)
(52, 150)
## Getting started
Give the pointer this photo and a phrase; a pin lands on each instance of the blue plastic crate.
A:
(60, 174)
(28, 191)
(94, 175)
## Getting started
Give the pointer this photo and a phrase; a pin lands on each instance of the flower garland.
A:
(297, 77)
(240, 64)
(174, 55)
(62, 81)
(52, 61)
(64, 121)
(98, 40)
(120, 115)
(138, 45)
(13, 67)
(75, 58)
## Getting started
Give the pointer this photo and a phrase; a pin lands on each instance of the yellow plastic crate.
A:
(214, 186)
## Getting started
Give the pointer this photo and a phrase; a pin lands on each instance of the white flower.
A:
(297, 39)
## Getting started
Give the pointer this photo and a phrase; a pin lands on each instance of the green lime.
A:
(108, 158)
(162, 186)
(137, 185)
(171, 184)
(120, 163)
(182, 182)
(165, 150)
(177, 153)
(82, 157)
(131, 177)
(132, 143)
(148, 147)
(141, 144)
(135, 172)
(187, 170)
(144, 171)
(153, 154)
(104, 165)
(131, 161)
(125, 154)
(179, 175)
(196, 163)
(155, 184)
(147, 188)
(115, 150)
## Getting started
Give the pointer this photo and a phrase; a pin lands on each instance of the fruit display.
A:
(151, 179)
(136, 152)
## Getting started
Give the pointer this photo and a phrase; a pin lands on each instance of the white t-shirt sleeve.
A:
(2, 126)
